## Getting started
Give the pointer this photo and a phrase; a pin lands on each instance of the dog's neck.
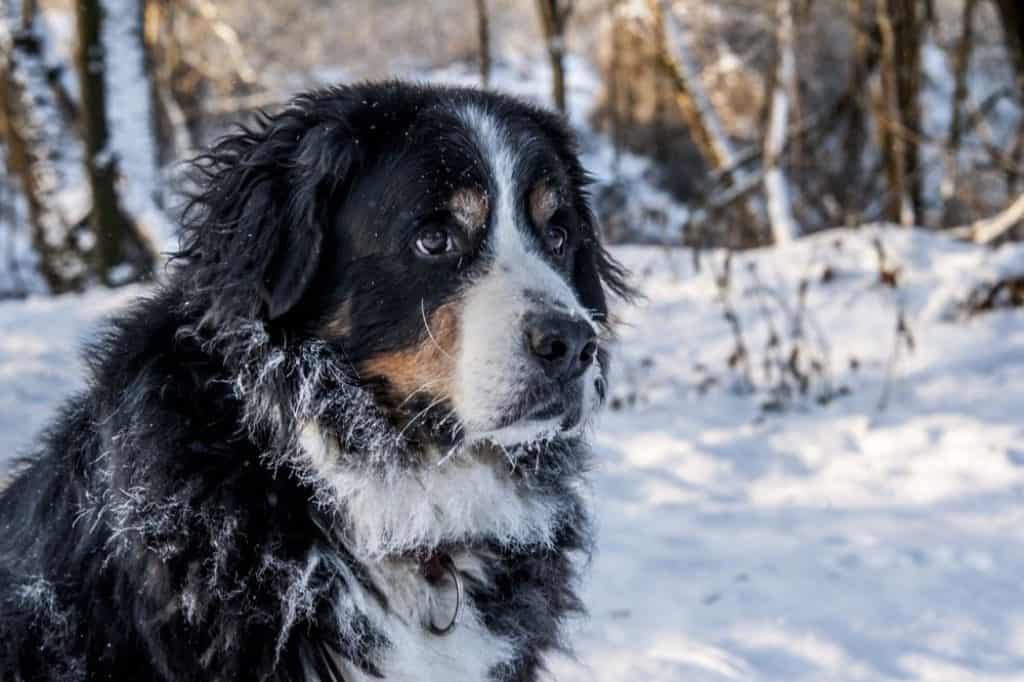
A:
(392, 497)
(470, 499)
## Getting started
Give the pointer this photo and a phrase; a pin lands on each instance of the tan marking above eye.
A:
(544, 201)
(469, 206)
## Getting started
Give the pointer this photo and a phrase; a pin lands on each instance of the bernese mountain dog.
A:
(345, 438)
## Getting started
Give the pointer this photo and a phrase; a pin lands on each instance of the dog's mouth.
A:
(561, 406)
(568, 410)
(544, 409)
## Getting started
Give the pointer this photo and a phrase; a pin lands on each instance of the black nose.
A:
(563, 346)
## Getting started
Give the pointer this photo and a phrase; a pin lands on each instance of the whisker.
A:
(455, 449)
(426, 325)
(418, 390)
(451, 413)
(420, 414)
(508, 455)
(456, 429)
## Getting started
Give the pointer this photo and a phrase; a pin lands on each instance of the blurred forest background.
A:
(734, 123)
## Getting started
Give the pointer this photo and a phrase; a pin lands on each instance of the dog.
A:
(346, 437)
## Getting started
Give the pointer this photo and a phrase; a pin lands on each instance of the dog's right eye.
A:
(435, 241)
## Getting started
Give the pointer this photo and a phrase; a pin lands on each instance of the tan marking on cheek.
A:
(469, 206)
(544, 201)
(339, 324)
(426, 369)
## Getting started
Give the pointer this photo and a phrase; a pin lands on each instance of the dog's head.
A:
(440, 240)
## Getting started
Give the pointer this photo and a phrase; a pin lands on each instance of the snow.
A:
(813, 542)
(40, 358)
(834, 542)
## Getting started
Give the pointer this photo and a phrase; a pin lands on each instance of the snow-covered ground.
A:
(825, 543)
(804, 542)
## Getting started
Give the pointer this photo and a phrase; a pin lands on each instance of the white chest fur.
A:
(451, 501)
(448, 503)
(466, 654)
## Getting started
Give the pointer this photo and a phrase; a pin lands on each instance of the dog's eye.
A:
(555, 237)
(435, 241)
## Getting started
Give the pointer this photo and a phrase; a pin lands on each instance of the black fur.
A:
(166, 528)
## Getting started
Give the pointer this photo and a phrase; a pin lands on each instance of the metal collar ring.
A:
(449, 566)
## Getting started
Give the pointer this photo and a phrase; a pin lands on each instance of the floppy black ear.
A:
(253, 233)
(595, 273)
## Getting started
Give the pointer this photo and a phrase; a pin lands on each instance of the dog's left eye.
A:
(435, 241)
(555, 237)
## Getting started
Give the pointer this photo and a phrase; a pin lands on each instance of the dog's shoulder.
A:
(136, 516)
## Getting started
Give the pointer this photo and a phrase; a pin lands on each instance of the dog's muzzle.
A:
(561, 348)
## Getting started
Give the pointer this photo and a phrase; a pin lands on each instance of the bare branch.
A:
(990, 229)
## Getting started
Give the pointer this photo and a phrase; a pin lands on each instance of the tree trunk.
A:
(701, 118)
(961, 65)
(163, 140)
(483, 32)
(1011, 15)
(117, 242)
(40, 148)
(897, 113)
(776, 188)
(164, 58)
(865, 56)
(29, 9)
(614, 87)
(1017, 161)
(910, 27)
(554, 17)
(131, 123)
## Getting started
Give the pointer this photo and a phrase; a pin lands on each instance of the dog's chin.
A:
(565, 414)
(523, 433)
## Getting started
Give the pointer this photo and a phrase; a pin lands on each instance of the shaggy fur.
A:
(247, 490)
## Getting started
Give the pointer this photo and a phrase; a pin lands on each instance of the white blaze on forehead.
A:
(515, 258)
(493, 361)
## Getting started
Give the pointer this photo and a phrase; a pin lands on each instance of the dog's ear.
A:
(253, 232)
(596, 272)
